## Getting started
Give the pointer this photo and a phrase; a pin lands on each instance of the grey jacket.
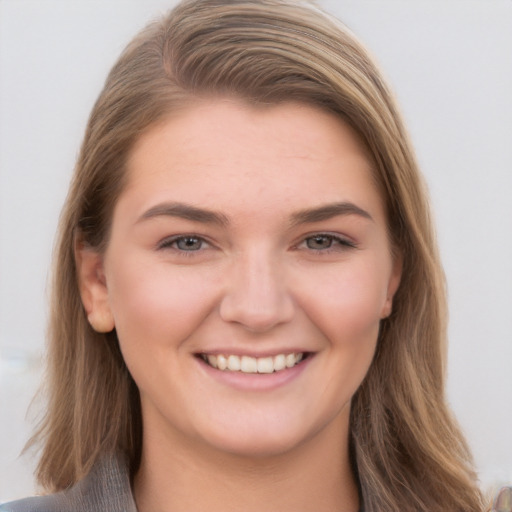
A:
(105, 489)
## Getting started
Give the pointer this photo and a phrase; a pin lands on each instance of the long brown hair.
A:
(408, 453)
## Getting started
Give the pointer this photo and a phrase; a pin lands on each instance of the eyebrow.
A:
(328, 211)
(195, 214)
(187, 212)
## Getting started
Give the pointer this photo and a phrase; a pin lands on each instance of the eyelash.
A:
(168, 243)
(336, 243)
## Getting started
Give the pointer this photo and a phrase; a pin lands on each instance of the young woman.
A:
(248, 305)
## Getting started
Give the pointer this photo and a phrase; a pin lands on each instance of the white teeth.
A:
(234, 363)
(279, 362)
(291, 359)
(265, 365)
(248, 364)
(222, 362)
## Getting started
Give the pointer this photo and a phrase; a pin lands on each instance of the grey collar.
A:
(105, 488)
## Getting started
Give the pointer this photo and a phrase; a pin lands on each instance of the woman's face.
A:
(246, 275)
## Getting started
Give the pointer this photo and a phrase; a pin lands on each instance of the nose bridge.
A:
(257, 295)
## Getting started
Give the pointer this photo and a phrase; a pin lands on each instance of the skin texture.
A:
(258, 277)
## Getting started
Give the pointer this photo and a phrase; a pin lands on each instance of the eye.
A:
(325, 242)
(319, 242)
(186, 243)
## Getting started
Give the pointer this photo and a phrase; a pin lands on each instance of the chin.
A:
(256, 446)
(267, 438)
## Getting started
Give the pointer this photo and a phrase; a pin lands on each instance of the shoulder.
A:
(105, 488)
(51, 503)
(503, 500)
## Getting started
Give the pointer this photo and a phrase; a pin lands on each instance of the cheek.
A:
(347, 302)
(158, 304)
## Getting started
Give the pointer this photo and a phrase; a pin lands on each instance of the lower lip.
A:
(255, 381)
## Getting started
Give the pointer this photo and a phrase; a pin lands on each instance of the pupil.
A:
(189, 244)
(319, 242)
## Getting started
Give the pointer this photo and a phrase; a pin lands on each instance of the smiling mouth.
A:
(248, 364)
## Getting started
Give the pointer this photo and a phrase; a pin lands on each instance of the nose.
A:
(256, 295)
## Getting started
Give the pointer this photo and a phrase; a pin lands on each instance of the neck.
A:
(183, 476)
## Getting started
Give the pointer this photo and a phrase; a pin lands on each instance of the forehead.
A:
(227, 150)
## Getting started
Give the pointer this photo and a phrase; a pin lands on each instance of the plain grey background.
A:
(450, 64)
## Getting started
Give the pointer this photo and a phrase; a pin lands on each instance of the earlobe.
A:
(387, 308)
(93, 288)
(393, 284)
(101, 321)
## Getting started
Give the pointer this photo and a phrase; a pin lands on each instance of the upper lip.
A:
(251, 353)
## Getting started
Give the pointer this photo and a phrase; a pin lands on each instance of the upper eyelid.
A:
(344, 239)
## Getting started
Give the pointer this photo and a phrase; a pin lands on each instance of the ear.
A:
(93, 288)
(393, 283)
